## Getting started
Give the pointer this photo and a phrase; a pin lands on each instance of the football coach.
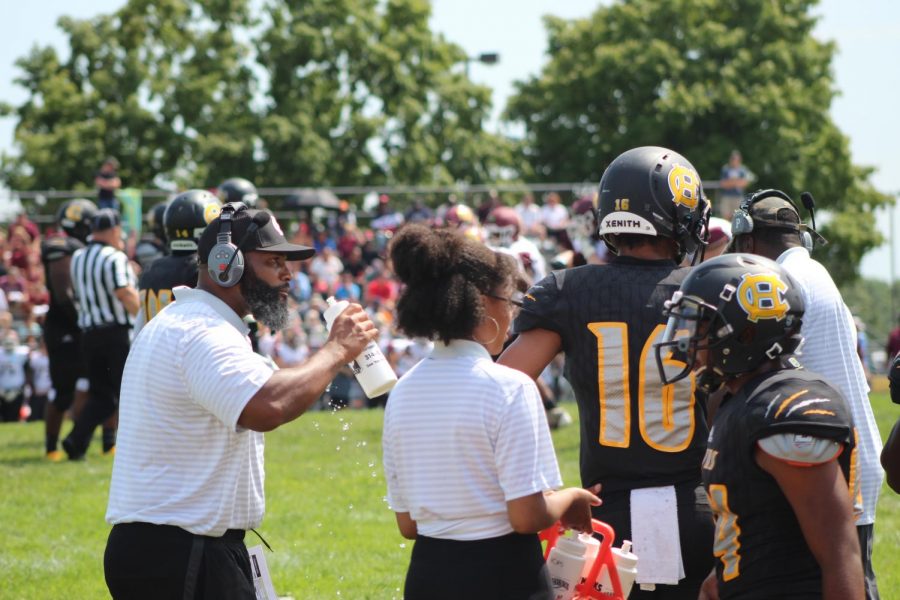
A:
(188, 475)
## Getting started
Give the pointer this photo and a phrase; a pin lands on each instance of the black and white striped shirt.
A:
(98, 270)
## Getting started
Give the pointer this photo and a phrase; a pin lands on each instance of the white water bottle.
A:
(371, 368)
(592, 548)
(565, 563)
(626, 567)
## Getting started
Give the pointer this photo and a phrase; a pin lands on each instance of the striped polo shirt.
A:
(98, 270)
(181, 458)
(462, 436)
(829, 350)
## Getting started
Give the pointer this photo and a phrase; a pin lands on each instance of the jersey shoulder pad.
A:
(799, 402)
(800, 449)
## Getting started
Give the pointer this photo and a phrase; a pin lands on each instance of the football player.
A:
(61, 332)
(780, 465)
(184, 220)
(238, 189)
(890, 454)
(643, 441)
(152, 244)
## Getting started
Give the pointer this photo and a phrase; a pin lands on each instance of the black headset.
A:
(742, 222)
(226, 261)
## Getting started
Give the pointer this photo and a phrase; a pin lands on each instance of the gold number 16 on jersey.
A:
(665, 413)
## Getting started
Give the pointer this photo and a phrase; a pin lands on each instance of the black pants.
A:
(866, 535)
(105, 350)
(510, 567)
(696, 529)
(162, 562)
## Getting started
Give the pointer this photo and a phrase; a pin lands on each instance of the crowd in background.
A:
(350, 264)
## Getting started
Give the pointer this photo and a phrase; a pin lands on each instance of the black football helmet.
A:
(75, 217)
(743, 309)
(653, 191)
(238, 189)
(154, 218)
(187, 216)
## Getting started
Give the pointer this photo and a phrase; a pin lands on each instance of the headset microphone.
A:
(260, 219)
(807, 199)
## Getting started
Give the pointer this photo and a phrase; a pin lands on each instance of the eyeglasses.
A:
(517, 299)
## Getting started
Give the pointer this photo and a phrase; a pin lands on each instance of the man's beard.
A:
(265, 301)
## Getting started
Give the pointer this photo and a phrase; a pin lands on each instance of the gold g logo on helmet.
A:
(761, 296)
(74, 212)
(211, 211)
(684, 183)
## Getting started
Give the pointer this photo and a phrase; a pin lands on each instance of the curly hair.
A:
(444, 275)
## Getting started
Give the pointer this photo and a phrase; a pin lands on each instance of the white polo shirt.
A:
(181, 459)
(462, 436)
(829, 350)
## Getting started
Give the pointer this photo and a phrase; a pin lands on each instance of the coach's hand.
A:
(351, 332)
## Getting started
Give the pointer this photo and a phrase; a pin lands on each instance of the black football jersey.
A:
(156, 283)
(635, 432)
(761, 549)
(62, 315)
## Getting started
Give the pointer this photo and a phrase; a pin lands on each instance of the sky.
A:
(866, 71)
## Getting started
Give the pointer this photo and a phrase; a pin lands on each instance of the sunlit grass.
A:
(327, 520)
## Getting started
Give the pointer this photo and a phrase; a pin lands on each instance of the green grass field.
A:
(327, 520)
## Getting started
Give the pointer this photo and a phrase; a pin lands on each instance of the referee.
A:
(104, 286)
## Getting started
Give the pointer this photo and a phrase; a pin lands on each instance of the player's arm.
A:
(61, 286)
(821, 501)
(890, 458)
(532, 351)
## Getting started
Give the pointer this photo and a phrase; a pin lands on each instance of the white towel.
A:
(654, 533)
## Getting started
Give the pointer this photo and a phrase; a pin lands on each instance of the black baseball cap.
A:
(105, 218)
(267, 237)
(774, 212)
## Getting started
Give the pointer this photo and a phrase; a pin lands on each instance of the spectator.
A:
(719, 237)
(13, 376)
(862, 346)
(327, 267)
(418, 212)
(732, 182)
(554, 216)
(381, 286)
(530, 215)
(893, 343)
(41, 386)
(348, 289)
(108, 183)
(490, 202)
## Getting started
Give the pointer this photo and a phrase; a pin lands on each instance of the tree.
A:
(152, 84)
(362, 92)
(321, 92)
(701, 77)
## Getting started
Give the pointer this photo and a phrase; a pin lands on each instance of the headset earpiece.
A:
(807, 239)
(226, 262)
